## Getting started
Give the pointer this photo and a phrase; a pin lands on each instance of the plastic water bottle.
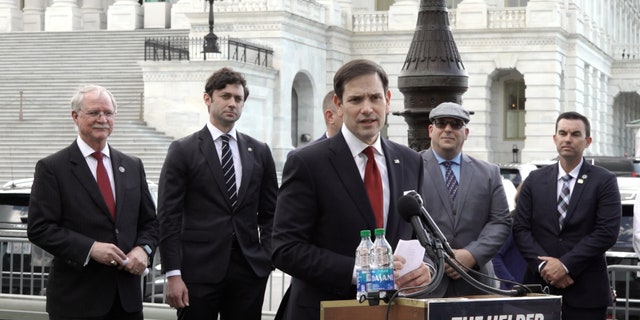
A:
(381, 264)
(363, 264)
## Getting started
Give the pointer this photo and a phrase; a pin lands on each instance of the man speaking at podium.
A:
(324, 201)
(568, 215)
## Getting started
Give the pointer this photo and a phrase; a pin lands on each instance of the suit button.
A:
(117, 231)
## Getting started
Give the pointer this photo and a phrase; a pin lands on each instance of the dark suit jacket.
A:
(197, 221)
(67, 214)
(481, 221)
(590, 228)
(322, 206)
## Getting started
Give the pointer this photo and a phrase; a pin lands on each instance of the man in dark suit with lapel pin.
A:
(567, 217)
(91, 208)
(323, 202)
(216, 199)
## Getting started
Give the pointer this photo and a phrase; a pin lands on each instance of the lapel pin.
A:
(250, 149)
(121, 169)
(582, 179)
(396, 161)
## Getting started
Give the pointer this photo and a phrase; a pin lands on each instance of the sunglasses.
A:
(455, 124)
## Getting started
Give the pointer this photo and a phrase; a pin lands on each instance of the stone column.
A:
(472, 14)
(403, 15)
(10, 16)
(93, 17)
(544, 13)
(33, 15)
(124, 15)
(63, 15)
(179, 10)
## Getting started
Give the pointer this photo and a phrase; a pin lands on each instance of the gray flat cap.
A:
(449, 110)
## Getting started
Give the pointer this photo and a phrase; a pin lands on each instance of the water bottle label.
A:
(363, 278)
(381, 279)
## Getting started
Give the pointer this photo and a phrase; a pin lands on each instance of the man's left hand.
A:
(137, 261)
(420, 276)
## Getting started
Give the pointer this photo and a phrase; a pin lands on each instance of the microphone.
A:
(409, 210)
(409, 207)
(413, 196)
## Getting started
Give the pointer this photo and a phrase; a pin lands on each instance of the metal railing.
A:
(624, 282)
(25, 269)
(189, 48)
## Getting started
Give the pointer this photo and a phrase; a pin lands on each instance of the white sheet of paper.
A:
(413, 252)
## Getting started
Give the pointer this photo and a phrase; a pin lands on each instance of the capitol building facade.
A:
(527, 61)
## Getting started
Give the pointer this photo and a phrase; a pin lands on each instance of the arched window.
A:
(514, 109)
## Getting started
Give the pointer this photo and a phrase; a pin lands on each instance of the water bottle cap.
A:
(365, 233)
(379, 232)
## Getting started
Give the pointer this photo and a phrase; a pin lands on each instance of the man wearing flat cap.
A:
(465, 198)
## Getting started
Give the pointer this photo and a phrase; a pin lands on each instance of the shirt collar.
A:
(455, 159)
(574, 173)
(356, 145)
(216, 133)
(86, 150)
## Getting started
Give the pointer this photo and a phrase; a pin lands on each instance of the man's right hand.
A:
(176, 293)
(107, 253)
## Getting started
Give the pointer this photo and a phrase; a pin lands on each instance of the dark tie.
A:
(103, 183)
(229, 171)
(563, 199)
(450, 180)
(373, 183)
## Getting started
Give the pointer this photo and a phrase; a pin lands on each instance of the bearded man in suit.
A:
(90, 207)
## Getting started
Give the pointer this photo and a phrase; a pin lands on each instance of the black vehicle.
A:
(620, 166)
(622, 252)
(25, 266)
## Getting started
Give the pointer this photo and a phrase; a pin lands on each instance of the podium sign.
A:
(495, 308)
(487, 307)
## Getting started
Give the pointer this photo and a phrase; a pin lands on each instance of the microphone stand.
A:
(442, 245)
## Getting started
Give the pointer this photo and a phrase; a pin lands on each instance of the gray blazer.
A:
(478, 220)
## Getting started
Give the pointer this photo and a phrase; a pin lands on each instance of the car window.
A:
(620, 166)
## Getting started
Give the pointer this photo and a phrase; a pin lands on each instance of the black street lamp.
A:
(210, 40)
(514, 151)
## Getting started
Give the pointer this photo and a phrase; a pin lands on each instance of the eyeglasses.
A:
(97, 114)
(455, 124)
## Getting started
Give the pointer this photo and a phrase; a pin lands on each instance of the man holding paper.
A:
(326, 199)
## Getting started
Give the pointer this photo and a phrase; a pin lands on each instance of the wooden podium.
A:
(530, 307)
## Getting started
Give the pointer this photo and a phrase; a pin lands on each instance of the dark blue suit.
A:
(201, 234)
(590, 228)
(322, 206)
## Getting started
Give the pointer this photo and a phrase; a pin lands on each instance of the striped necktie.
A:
(450, 180)
(228, 170)
(563, 199)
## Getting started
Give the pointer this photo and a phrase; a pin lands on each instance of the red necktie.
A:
(104, 184)
(373, 183)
